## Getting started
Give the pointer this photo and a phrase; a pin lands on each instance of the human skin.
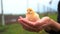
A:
(44, 23)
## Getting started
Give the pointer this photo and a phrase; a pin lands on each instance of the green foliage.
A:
(16, 29)
(2, 28)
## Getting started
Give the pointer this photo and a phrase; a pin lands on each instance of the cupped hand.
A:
(28, 25)
(34, 26)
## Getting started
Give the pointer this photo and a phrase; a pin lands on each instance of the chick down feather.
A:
(31, 15)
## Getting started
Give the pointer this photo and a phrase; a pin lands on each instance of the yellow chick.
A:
(31, 15)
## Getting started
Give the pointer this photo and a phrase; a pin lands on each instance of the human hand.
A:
(27, 25)
(34, 26)
(45, 23)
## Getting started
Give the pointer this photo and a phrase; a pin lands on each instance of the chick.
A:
(31, 15)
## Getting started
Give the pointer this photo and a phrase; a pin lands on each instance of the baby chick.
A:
(31, 15)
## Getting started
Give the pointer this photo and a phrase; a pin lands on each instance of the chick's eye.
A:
(30, 10)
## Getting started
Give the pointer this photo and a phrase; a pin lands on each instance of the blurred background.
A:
(10, 10)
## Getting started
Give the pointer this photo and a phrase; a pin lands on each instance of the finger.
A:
(29, 28)
(26, 21)
(19, 17)
(22, 21)
(32, 24)
(44, 26)
(41, 22)
(18, 20)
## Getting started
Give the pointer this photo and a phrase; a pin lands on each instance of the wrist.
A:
(54, 25)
